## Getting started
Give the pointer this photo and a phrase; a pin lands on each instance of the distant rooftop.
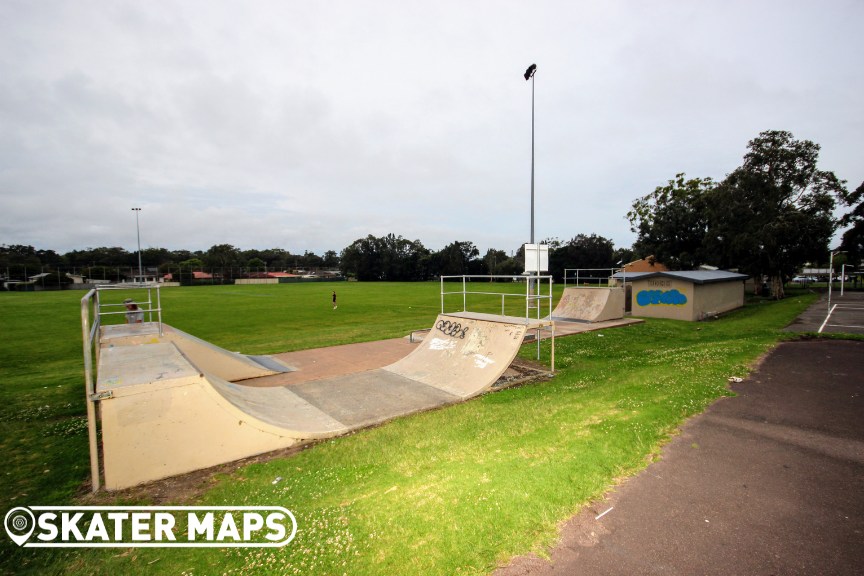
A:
(694, 276)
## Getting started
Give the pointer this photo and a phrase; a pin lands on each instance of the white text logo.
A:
(150, 526)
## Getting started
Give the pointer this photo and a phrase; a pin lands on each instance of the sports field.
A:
(458, 490)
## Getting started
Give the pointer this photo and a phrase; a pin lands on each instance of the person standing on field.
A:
(334, 300)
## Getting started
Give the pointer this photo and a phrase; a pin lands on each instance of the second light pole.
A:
(138, 232)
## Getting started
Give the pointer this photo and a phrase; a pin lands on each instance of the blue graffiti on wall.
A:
(659, 297)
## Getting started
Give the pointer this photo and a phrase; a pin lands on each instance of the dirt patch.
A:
(521, 372)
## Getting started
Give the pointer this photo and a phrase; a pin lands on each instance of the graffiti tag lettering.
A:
(660, 298)
(453, 329)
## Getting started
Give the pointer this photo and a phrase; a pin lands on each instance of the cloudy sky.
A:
(304, 125)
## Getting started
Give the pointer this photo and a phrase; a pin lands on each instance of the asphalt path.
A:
(770, 481)
(839, 313)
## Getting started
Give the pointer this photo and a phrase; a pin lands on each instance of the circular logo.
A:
(19, 523)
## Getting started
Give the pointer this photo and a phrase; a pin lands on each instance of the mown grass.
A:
(458, 490)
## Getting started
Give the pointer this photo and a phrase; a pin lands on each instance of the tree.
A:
(222, 256)
(459, 258)
(767, 218)
(331, 259)
(581, 252)
(853, 239)
(103, 256)
(361, 259)
(670, 223)
(774, 213)
(495, 261)
(311, 261)
(390, 258)
(623, 255)
(256, 264)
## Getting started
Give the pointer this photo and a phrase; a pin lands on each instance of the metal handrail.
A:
(88, 334)
(600, 279)
(91, 324)
(527, 295)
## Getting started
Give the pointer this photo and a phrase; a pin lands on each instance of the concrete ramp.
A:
(162, 417)
(463, 355)
(167, 407)
(217, 361)
(590, 305)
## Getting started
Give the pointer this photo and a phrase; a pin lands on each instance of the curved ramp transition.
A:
(590, 305)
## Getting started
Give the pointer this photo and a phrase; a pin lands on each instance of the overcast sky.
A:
(305, 125)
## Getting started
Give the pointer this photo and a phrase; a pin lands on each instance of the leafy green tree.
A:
(496, 261)
(192, 264)
(853, 238)
(362, 259)
(311, 261)
(767, 218)
(581, 252)
(18, 255)
(256, 264)
(391, 258)
(331, 259)
(775, 212)
(624, 256)
(459, 258)
(223, 257)
(103, 256)
(155, 256)
(670, 223)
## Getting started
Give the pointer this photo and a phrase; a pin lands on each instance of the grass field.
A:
(458, 490)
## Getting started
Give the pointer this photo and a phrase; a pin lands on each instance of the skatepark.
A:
(157, 384)
(156, 389)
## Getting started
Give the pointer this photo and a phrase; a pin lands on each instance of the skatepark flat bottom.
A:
(371, 397)
(332, 361)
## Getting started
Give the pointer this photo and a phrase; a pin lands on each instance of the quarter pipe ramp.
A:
(589, 305)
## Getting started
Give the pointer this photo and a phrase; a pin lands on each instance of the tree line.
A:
(767, 218)
(388, 258)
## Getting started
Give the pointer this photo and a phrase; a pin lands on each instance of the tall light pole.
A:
(138, 231)
(529, 75)
(831, 275)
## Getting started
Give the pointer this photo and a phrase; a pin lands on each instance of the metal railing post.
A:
(442, 294)
(89, 389)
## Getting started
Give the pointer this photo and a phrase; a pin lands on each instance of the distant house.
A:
(196, 275)
(648, 264)
(260, 275)
(685, 295)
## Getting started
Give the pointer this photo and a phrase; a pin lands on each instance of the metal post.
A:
(529, 75)
(843, 276)
(442, 294)
(138, 232)
(831, 275)
(464, 296)
(90, 389)
(532, 158)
